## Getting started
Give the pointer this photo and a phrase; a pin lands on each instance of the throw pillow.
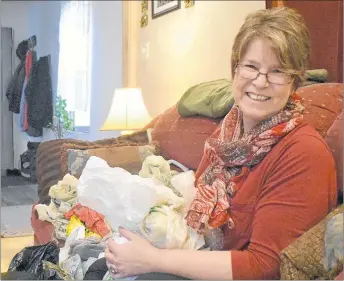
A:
(98, 144)
(323, 103)
(129, 158)
(304, 259)
(212, 99)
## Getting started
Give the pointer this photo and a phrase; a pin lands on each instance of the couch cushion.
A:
(152, 123)
(334, 139)
(116, 142)
(323, 104)
(129, 158)
(183, 138)
(212, 99)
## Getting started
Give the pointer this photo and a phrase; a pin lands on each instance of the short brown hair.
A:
(288, 33)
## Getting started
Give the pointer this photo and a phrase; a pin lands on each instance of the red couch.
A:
(182, 139)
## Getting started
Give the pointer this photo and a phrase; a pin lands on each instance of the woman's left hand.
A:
(135, 257)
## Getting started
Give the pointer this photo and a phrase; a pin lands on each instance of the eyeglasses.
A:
(250, 72)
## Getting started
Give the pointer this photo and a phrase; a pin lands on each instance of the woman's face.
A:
(259, 99)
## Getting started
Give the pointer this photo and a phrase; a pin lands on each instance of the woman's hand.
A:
(137, 256)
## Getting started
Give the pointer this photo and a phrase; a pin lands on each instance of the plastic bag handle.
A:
(179, 165)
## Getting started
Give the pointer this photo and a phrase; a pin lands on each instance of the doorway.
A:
(7, 68)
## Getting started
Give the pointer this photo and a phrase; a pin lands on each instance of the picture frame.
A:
(163, 7)
(189, 3)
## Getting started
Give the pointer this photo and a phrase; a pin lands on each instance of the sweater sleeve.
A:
(297, 193)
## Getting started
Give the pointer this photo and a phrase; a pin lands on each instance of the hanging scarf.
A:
(228, 158)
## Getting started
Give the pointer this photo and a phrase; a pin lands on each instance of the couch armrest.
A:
(48, 166)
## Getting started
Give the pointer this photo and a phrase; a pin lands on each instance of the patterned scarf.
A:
(228, 156)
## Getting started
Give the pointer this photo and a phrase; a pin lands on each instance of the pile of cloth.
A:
(64, 211)
(86, 212)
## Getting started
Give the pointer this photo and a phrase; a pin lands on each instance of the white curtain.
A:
(74, 70)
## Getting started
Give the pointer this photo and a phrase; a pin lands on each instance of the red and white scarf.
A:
(228, 157)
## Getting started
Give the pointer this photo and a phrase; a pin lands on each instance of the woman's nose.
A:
(261, 81)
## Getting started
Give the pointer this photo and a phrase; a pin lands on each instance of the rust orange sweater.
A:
(291, 190)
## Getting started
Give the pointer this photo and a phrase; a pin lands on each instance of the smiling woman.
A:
(258, 172)
(261, 89)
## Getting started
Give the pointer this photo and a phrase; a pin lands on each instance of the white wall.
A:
(107, 62)
(188, 46)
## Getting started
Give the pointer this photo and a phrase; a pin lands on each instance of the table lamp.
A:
(127, 113)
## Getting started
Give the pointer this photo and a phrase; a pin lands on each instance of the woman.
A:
(265, 177)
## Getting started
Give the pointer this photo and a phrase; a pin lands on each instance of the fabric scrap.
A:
(93, 220)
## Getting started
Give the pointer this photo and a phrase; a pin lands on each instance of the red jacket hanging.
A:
(28, 66)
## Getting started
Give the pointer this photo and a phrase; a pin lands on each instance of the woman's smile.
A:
(257, 97)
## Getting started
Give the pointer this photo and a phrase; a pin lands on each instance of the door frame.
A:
(3, 170)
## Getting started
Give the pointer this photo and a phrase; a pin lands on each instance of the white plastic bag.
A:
(334, 244)
(122, 198)
(140, 204)
(76, 234)
(165, 225)
(166, 228)
(184, 183)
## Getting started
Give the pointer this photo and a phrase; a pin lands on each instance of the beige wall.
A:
(186, 47)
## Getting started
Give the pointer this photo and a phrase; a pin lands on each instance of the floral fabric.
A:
(228, 157)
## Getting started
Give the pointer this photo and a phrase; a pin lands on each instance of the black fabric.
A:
(18, 275)
(97, 270)
(32, 131)
(15, 87)
(30, 258)
(38, 94)
(33, 145)
(28, 161)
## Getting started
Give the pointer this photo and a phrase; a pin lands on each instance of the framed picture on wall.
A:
(162, 7)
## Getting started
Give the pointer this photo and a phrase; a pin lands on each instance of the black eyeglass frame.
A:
(291, 75)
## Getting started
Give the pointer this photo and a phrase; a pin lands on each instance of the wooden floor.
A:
(10, 247)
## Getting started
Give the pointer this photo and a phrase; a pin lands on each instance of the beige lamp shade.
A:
(128, 111)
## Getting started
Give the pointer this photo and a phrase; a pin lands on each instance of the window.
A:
(74, 70)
